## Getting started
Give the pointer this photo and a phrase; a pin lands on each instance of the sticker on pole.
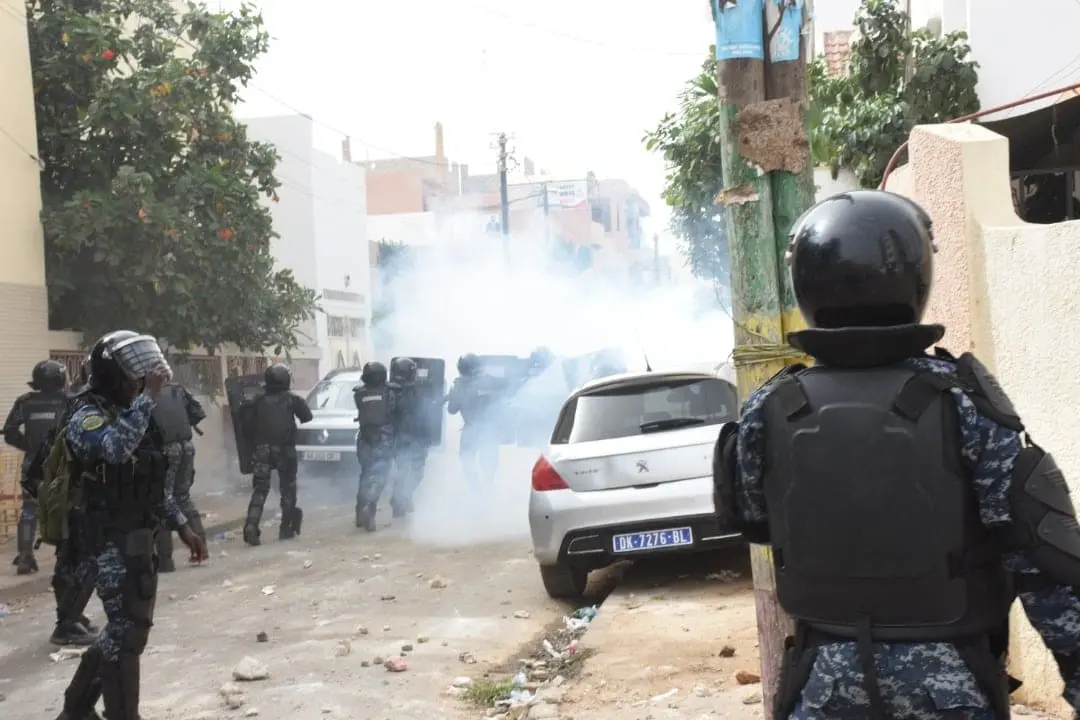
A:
(740, 32)
(784, 20)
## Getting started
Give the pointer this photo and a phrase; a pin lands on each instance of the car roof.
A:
(642, 377)
(342, 374)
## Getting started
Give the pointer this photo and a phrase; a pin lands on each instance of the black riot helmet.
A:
(122, 358)
(84, 372)
(373, 374)
(403, 370)
(48, 376)
(468, 364)
(541, 358)
(862, 259)
(277, 378)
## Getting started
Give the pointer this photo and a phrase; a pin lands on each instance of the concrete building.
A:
(321, 221)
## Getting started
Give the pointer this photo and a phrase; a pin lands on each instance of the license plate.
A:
(315, 456)
(653, 540)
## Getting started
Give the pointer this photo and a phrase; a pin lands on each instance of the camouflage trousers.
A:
(179, 477)
(376, 462)
(127, 586)
(917, 681)
(26, 530)
(410, 459)
(267, 459)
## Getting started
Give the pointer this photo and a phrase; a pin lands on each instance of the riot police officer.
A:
(410, 444)
(178, 414)
(901, 504)
(377, 414)
(474, 395)
(112, 438)
(272, 419)
(31, 418)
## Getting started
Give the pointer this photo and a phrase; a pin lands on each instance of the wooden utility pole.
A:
(504, 196)
(762, 104)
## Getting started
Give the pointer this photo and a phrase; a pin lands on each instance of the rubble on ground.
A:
(535, 691)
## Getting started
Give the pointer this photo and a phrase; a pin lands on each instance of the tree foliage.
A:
(152, 191)
(897, 79)
(689, 141)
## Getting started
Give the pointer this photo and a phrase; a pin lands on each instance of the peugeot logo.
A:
(323, 437)
(642, 466)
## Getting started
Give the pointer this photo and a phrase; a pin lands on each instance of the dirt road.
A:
(455, 582)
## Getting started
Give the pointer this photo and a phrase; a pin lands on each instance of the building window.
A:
(356, 327)
(341, 327)
(335, 326)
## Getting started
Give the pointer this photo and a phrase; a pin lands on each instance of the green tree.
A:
(151, 188)
(689, 141)
(897, 79)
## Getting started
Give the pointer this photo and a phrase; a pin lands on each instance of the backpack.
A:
(59, 490)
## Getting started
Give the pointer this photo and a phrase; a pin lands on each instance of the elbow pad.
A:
(725, 477)
(1044, 519)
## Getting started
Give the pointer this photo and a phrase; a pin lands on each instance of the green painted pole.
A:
(760, 209)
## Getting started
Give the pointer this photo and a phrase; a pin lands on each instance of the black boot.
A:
(71, 634)
(85, 688)
(297, 519)
(365, 516)
(120, 687)
(25, 563)
(251, 525)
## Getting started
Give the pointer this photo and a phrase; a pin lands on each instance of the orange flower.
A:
(225, 233)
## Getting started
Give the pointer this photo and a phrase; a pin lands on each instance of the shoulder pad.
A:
(987, 393)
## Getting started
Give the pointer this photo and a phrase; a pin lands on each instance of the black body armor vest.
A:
(129, 496)
(872, 514)
(372, 406)
(273, 419)
(41, 413)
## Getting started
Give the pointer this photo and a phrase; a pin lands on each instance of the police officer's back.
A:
(893, 486)
(271, 419)
(377, 416)
(474, 395)
(29, 422)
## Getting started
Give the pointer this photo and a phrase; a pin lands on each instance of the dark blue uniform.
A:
(923, 681)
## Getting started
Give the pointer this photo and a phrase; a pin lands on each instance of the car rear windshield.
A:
(331, 396)
(647, 408)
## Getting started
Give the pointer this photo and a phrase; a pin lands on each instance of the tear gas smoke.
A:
(458, 295)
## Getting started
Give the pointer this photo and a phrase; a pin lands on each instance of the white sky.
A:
(577, 82)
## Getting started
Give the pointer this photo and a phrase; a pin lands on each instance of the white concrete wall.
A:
(825, 186)
(341, 252)
(1008, 292)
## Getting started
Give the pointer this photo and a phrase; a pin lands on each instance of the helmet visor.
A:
(139, 355)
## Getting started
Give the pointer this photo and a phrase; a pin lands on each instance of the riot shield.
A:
(431, 387)
(238, 391)
(509, 373)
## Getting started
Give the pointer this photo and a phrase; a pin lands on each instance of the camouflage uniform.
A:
(268, 458)
(126, 580)
(478, 446)
(922, 681)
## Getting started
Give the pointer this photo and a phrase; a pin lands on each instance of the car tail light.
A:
(544, 477)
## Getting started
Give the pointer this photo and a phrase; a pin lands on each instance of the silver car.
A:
(327, 444)
(628, 473)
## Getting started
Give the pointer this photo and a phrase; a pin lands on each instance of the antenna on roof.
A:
(648, 367)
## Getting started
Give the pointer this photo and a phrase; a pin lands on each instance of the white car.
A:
(628, 473)
(326, 446)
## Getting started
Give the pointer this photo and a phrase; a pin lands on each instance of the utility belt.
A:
(980, 653)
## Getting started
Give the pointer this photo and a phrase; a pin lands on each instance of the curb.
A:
(41, 582)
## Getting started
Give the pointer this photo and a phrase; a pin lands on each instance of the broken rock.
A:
(233, 695)
(437, 583)
(250, 669)
(396, 665)
(745, 677)
(727, 651)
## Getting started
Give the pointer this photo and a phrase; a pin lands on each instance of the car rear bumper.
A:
(578, 527)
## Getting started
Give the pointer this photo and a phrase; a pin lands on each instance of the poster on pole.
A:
(784, 20)
(740, 32)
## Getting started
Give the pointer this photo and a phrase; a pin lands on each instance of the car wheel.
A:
(563, 581)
